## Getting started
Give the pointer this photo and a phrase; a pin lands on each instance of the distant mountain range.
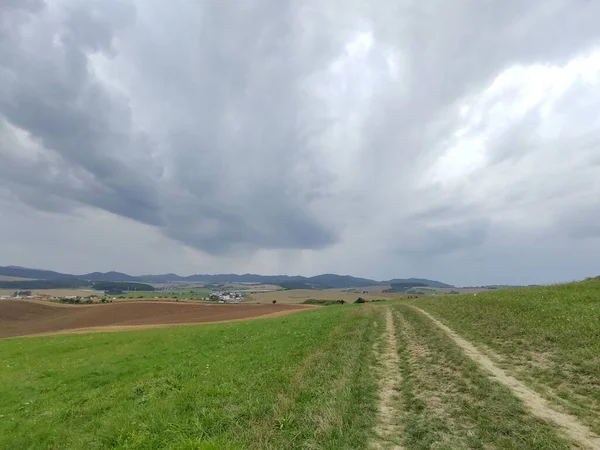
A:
(324, 281)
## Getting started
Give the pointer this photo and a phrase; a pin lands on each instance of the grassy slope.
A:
(449, 402)
(300, 381)
(547, 336)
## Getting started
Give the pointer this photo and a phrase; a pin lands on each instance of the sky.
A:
(457, 140)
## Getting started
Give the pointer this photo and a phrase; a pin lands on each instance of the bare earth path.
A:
(537, 405)
(388, 430)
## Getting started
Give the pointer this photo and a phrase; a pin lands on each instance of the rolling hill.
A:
(323, 281)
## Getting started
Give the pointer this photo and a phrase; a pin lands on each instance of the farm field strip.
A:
(191, 294)
(20, 317)
(300, 295)
(44, 293)
(546, 337)
(447, 401)
(537, 405)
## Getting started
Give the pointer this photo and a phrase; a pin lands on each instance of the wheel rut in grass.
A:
(388, 431)
(536, 404)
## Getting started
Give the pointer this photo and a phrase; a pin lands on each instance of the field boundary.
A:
(536, 404)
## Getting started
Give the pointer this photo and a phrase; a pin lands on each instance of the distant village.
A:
(17, 295)
(226, 297)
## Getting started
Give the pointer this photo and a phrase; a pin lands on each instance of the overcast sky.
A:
(451, 139)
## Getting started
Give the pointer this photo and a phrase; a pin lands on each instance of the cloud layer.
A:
(458, 140)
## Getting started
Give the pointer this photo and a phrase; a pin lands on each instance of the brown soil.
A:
(22, 317)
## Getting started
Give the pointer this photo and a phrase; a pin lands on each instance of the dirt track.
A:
(532, 400)
(20, 318)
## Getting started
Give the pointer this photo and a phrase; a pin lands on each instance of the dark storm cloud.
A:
(228, 177)
(293, 125)
(50, 93)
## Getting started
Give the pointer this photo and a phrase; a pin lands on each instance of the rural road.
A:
(537, 405)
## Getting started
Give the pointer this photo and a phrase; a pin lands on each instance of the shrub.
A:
(360, 300)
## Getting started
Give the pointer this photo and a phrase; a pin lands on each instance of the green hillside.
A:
(547, 336)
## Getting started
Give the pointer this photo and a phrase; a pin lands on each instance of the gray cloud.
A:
(265, 126)
(84, 131)
(227, 176)
(440, 240)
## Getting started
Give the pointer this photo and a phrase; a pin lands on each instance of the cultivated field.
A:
(508, 369)
(300, 295)
(369, 289)
(9, 278)
(56, 292)
(192, 294)
(22, 317)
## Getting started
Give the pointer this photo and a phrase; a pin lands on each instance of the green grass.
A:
(313, 301)
(299, 381)
(548, 337)
(192, 294)
(449, 402)
(308, 380)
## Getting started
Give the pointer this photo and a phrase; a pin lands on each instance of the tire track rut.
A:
(537, 405)
(388, 431)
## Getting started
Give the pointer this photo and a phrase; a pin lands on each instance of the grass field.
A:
(507, 369)
(300, 381)
(546, 336)
(300, 295)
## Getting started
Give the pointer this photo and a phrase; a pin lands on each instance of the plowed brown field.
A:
(21, 317)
